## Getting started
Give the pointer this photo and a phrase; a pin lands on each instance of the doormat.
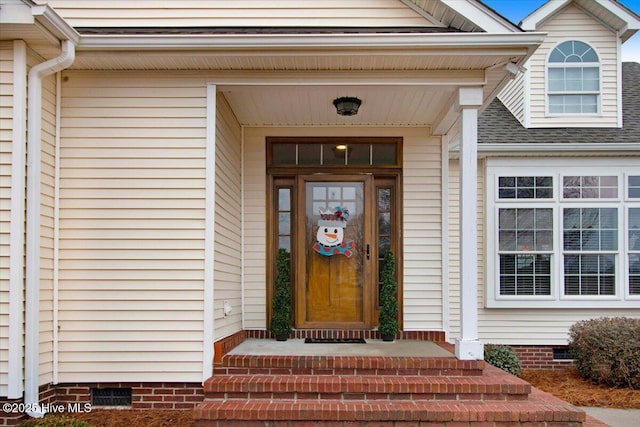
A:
(334, 341)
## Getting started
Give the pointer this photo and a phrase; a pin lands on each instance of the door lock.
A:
(368, 251)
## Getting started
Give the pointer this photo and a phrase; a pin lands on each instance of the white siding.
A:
(422, 223)
(255, 229)
(421, 232)
(512, 96)
(231, 13)
(47, 183)
(228, 249)
(6, 129)
(131, 227)
(573, 23)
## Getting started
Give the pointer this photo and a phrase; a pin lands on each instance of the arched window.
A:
(573, 79)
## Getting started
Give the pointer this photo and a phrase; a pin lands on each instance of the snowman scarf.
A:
(344, 248)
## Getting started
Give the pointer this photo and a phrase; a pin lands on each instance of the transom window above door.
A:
(334, 152)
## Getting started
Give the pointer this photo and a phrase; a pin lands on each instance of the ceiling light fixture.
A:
(347, 105)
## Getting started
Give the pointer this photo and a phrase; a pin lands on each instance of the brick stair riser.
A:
(402, 410)
(364, 396)
(327, 365)
(365, 388)
(227, 370)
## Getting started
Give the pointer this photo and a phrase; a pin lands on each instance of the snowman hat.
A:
(336, 218)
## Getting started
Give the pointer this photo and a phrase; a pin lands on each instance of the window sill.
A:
(574, 303)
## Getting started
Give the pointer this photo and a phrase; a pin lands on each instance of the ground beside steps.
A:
(373, 391)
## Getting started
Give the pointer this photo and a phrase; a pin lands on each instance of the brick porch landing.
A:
(406, 383)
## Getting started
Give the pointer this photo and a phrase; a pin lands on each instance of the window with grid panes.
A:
(564, 235)
(633, 242)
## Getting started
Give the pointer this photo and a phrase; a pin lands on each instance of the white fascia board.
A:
(632, 20)
(482, 16)
(573, 149)
(530, 22)
(326, 42)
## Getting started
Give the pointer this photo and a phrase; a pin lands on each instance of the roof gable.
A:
(609, 12)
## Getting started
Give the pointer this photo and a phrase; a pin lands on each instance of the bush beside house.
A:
(503, 357)
(388, 317)
(281, 303)
(607, 350)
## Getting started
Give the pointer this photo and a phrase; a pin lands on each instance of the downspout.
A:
(32, 295)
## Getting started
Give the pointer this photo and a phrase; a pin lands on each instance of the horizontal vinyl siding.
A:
(255, 230)
(422, 233)
(132, 220)
(512, 96)
(536, 327)
(228, 249)
(453, 210)
(574, 24)
(243, 13)
(47, 206)
(6, 129)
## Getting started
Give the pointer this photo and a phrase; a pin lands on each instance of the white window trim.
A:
(547, 92)
(557, 167)
(631, 203)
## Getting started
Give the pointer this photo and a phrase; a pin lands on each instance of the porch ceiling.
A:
(313, 105)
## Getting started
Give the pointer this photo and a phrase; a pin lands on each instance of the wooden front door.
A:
(334, 284)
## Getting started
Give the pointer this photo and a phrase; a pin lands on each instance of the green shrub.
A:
(388, 316)
(607, 350)
(281, 302)
(55, 421)
(503, 357)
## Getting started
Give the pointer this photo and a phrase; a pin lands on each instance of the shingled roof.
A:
(498, 125)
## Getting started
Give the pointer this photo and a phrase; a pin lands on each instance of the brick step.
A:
(347, 365)
(540, 411)
(365, 387)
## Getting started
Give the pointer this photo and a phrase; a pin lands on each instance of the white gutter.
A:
(365, 44)
(16, 242)
(32, 304)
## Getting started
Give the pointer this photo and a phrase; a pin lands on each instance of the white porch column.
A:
(468, 347)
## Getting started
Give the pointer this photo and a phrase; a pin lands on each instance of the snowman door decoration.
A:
(330, 236)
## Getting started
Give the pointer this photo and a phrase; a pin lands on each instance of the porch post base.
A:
(469, 350)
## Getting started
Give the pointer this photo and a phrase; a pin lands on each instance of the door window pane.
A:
(284, 231)
(385, 205)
